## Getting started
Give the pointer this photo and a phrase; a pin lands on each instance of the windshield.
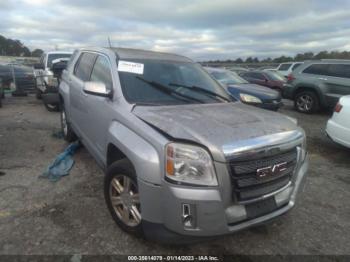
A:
(52, 57)
(168, 83)
(275, 76)
(228, 78)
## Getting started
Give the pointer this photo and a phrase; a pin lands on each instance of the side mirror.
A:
(39, 66)
(97, 89)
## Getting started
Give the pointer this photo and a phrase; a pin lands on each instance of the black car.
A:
(21, 76)
(241, 89)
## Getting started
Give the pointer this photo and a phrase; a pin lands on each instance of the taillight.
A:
(338, 107)
(290, 78)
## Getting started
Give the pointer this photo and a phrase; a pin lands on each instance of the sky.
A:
(199, 29)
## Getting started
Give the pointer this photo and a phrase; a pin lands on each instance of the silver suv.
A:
(182, 159)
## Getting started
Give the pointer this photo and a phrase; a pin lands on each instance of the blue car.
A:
(248, 93)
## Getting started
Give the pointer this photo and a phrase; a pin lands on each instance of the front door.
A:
(97, 115)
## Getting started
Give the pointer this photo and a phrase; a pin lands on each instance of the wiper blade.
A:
(169, 91)
(202, 90)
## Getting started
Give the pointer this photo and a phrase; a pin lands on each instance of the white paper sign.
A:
(130, 67)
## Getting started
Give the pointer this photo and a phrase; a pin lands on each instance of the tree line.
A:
(11, 47)
(282, 59)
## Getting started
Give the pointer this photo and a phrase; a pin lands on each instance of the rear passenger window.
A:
(317, 69)
(84, 66)
(339, 70)
(284, 67)
(102, 72)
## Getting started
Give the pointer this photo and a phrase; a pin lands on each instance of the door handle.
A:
(323, 78)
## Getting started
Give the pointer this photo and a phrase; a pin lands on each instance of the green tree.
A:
(37, 53)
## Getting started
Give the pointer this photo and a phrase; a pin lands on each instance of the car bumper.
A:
(338, 133)
(287, 91)
(212, 214)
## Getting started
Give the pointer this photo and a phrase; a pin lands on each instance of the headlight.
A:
(250, 99)
(189, 164)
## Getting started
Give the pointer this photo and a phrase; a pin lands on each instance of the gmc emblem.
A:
(269, 171)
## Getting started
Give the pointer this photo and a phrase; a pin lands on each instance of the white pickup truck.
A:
(46, 81)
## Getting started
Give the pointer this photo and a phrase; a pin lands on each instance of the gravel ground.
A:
(70, 216)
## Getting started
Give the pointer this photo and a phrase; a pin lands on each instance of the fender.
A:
(314, 88)
(141, 153)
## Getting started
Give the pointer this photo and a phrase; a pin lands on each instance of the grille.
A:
(247, 185)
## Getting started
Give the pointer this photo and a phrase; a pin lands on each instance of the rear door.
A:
(81, 74)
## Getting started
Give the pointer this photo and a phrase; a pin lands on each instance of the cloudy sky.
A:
(200, 29)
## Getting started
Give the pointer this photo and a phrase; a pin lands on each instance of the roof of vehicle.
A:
(58, 52)
(327, 61)
(215, 69)
(291, 63)
(128, 53)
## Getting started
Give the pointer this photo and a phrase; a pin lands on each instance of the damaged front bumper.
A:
(213, 211)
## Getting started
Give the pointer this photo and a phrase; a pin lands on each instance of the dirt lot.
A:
(70, 217)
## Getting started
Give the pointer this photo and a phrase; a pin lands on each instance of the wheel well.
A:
(114, 154)
(302, 89)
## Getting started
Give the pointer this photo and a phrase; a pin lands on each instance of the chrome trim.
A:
(265, 196)
(254, 146)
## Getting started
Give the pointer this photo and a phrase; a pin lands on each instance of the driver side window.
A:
(102, 72)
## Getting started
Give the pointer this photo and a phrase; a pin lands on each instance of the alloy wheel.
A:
(125, 200)
(305, 103)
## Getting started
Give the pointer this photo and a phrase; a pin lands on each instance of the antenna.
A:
(109, 42)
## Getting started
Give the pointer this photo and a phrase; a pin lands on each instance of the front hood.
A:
(253, 89)
(215, 125)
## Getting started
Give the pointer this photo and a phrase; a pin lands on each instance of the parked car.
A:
(45, 78)
(338, 127)
(318, 84)
(241, 89)
(286, 68)
(182, 159)
(18, 77)
(270, 79)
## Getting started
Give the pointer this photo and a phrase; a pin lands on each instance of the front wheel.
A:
(122, 196)
(306, 102)
(52, 107)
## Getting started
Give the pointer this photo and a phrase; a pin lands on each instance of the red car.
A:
(265, 78)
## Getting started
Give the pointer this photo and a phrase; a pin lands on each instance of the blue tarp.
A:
(62, 164)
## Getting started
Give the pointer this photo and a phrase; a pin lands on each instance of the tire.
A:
(67, 131)
(52, 107)
(120, 175)
(306, 102)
